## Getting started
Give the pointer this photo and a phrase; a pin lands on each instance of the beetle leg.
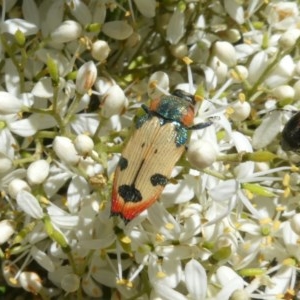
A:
(200, 125)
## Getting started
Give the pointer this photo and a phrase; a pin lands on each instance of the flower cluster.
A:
(74, 74)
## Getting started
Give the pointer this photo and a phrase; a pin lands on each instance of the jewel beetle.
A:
(291, 134)
(158, 141)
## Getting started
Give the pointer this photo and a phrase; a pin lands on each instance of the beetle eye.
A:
(184, 95)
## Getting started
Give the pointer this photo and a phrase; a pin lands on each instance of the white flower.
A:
(196, 280)
(81, 12)
(268, 129)
(42, 259)
(68, 31)
(9, 104)
(12, 25)
(29, 204)
(235, 10)
(157, 84)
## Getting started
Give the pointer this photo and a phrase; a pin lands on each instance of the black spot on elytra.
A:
(158, 179)
(123, 163)
(143, 145)
(129, 193)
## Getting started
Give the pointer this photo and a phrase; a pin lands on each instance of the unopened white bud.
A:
(38, 171)
(295, 223)
(9, 272)
(283, 92)
(86, 77)
(70, 283)
(7, 229)
(179, 50)
(17, 185)
(226, 53)
(114, 102)
(201, 154)
(68, 31)
(5, 163)
(65, 150)
(289, 38)
(240, 295)
(100, 50)
(9, 104)
(31, 282)
(83, 144)
(241, 110)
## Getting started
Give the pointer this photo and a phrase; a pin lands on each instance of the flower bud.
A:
(9, 272)
(241, 110)
(20, 37)
(53, 69)
(65, 150)
(83, 144)
(66, 32)
(38, 171)
(179, 50)
(7, 230)
(114, 102)
(9, 104)
(100, 50)
(5, 163)
(31, 282)
(201, 154)
(283, 92)
(86, 77)
(70, 283)
(17, 185)
(226, 53)
(289, 38)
